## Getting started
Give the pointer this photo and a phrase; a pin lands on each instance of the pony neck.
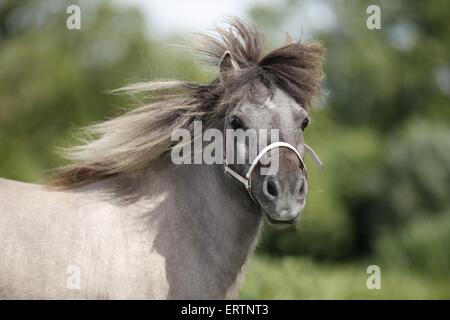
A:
(218, 225)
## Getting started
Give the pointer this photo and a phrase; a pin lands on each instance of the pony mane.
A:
(131, 141)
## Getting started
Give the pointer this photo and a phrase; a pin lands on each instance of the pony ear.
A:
(288, 39)
(227, 64)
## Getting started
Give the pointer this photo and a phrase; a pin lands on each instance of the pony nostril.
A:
(272, 188)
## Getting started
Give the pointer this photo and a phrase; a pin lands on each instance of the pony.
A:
(121, 221)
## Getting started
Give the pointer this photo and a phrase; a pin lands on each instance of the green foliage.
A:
(53, 79)
(422, 245)
(301, 278)
(417, 170)
(389, 73)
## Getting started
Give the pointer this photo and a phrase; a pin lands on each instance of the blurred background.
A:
(382, 128)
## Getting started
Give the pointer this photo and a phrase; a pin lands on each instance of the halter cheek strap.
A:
(246, 181)
(314, 156)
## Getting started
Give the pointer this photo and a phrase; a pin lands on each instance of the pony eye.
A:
(235, 123)
(305, 124)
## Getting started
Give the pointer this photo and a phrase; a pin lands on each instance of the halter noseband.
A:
(246, 180)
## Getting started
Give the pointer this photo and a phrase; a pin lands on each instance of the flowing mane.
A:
(133, 140)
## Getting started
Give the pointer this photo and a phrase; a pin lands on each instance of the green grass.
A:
(301, 278)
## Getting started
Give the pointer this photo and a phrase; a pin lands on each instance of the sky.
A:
(180, 16)
(170, 16)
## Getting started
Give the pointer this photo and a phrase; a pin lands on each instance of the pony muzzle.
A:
(278, 206)
(280, 222)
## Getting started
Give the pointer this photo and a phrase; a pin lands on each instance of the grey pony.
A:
(123, 222)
